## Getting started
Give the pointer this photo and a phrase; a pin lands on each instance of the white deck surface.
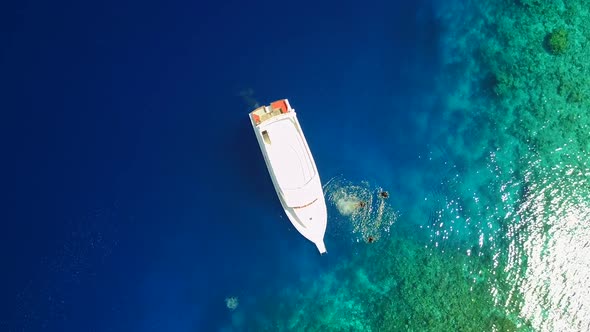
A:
(288, 154)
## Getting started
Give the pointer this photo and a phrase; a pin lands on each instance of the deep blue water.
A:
(136, 195)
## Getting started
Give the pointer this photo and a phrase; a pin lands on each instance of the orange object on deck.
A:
(256, 118)
(280, 105)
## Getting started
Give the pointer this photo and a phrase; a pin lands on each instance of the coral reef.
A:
(231, 303)
(402, 286)
(557, 41)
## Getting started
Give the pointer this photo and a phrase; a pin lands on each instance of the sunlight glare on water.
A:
(549, 253)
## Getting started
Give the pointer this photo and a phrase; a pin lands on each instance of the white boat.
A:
(292, 169)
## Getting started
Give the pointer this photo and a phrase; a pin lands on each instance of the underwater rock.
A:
(557, 41)
(231, 303)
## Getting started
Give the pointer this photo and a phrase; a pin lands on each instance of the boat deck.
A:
(291, 161)
(265, 113)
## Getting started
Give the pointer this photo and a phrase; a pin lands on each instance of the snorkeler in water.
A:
(384, 194)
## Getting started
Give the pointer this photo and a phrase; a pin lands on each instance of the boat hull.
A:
(292, 169)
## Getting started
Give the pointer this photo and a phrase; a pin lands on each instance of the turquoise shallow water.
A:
(486, 228)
